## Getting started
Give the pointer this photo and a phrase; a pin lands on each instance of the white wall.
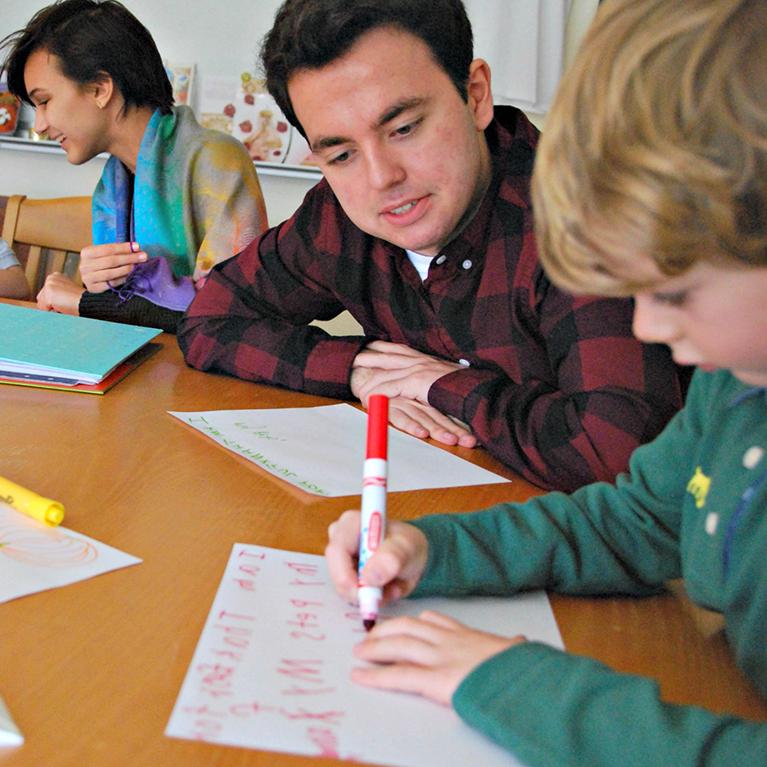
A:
(222, 38)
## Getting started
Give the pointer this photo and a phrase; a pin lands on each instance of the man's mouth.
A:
(404, 208)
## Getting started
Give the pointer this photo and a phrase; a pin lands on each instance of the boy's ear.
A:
(479, 93)
(103, 89)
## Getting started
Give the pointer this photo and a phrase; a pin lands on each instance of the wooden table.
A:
(91, 671)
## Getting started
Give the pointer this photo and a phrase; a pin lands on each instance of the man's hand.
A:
(429, 655)
(59, 294)
(396, 566)
(405, 376)
(397, 370)
(105, 266)
(424, 421)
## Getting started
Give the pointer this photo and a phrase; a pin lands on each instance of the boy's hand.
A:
(430, 655)
(105, 266)
(397, 566)
(59, 294)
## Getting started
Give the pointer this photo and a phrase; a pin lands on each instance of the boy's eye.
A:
(676, 298)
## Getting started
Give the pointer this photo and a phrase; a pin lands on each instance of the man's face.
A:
(404, 154)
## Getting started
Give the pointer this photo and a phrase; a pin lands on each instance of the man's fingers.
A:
(425, 421)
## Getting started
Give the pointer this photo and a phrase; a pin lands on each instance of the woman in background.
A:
(174, 198)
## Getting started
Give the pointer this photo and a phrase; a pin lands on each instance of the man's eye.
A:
(339, 159)
(406, 130)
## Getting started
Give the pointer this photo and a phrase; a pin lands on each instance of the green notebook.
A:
(41, 344)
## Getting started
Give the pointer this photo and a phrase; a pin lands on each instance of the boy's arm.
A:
(612, 394)
(550, 708)
(251, 319)
(621, 538)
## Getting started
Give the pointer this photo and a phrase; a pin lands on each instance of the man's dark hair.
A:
(92, 38)
(308, 34)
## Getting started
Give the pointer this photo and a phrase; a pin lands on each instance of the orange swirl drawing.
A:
(45, 548)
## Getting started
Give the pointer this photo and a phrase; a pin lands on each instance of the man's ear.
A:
(479, 93)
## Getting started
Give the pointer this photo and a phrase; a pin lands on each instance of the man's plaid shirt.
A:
(555, 386)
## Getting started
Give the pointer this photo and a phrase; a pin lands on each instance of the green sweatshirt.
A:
(695, 506)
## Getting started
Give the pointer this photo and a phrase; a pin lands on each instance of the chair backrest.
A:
(56, 230)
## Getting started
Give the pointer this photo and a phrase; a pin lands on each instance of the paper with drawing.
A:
(321, 449)
(271, 670)
(35, 556)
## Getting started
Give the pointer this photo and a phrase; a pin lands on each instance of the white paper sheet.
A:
(9, 732)
(322, 449)
(35, 556)
(271, 670)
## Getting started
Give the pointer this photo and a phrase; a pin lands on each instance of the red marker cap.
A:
(378, 425)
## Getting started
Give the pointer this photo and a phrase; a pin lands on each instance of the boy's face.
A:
(404, 154)
(711, 316)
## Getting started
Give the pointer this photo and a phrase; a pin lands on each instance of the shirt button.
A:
(712, 521)
(439, 260)
(464, 362)
(467, 264)
(752, 456)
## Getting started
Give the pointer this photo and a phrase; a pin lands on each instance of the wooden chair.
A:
(56, 230)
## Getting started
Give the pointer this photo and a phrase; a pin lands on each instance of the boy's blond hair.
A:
(657, 145)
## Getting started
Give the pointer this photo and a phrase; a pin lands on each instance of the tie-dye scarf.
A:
(196, 198)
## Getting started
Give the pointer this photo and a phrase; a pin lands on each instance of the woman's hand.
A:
(105, 266)
(59, 294)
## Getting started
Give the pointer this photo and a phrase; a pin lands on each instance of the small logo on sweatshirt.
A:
(698, 487)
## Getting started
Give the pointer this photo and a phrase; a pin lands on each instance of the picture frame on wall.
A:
(181, 78)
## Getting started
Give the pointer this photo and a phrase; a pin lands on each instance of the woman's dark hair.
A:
(91, 38)
(308, 34)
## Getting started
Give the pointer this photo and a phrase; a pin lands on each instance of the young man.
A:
(422, 229)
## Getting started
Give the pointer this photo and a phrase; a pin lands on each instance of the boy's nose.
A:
(652, 322)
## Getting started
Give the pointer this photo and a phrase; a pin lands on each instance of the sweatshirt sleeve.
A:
(622, 538)
(552, 709)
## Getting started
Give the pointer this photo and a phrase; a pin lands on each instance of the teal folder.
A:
(40, 343)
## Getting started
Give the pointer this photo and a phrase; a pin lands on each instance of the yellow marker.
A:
(30, 503)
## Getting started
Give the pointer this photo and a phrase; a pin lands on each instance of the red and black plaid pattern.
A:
(557, 386)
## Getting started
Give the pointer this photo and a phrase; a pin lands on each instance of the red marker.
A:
(373, 521)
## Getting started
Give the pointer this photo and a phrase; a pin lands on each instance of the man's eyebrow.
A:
(326, 142)
(389, 114)
(397, 109)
